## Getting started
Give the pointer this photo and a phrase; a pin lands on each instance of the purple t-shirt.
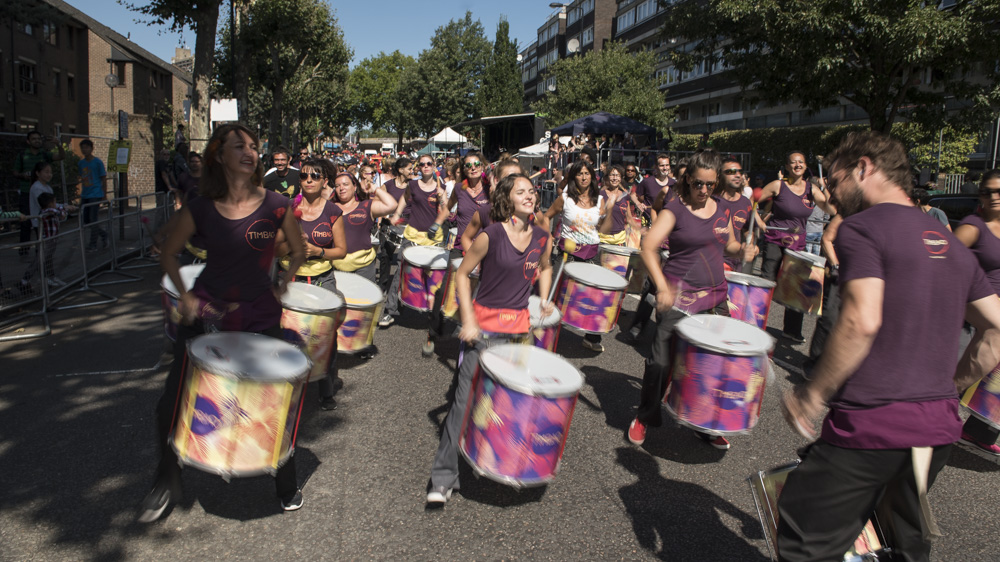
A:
(903, 393)
(394, 190)
(619, 212)
(790, 211)
(423, 207)
(507, 275)
(986, 250)
(358, 227)
(467, 207)
(241, 253)
(319, 232)
(649, 188)
(739, 213)
(697, 247)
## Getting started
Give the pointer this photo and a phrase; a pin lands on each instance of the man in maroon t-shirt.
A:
(888, 372)
(651, 186)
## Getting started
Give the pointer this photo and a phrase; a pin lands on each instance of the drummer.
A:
(361, 208)
(425, 198)
(580, 208)
(612, 229)
(981, 233)
(481, 219)
(512, 253)
(729, 194)
(691, 281)
(239, 221)
(325, 240)
(790, 202)
(402, 170)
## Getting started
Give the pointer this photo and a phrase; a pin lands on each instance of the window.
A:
(644, 10)
(588, 36)
(70, 87)
(573, 16)
(25, 28)
(626, 20)
(56, 83)
(586, 7)
(50, 33)
(27, 78)
(120, 73)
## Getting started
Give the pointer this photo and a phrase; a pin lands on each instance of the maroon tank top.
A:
(319, 232)
(467, 207)
(790, 211)
(619, 212)
(423, 207)
(507, 275)
(358, 226)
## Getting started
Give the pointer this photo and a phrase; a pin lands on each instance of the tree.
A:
(375, 93)
(441, 89)
(502, 92)
(874, 53)
(203, 17)
(613, 80)
(924, 144)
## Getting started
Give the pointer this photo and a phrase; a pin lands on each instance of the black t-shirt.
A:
(287, 185)
(158, 169)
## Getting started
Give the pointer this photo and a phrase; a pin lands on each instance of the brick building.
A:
(54, 76)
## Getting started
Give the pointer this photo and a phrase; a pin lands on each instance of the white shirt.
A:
(37, 189)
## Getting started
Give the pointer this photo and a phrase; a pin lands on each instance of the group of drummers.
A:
(510, 276)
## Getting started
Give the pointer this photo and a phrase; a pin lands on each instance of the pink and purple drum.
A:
(363, 301)
(520, 408)
(422, 272)
(800, 282)
(450, 305)
(617, 258)
(170, 298)
(983, 399)
(239, 408)
(544, 331)
(310, 320)
(749, 298)
(718, 374)
(590, 297)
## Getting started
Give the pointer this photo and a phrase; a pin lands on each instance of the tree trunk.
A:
(204, 55)
(276, 130)
(241, 88)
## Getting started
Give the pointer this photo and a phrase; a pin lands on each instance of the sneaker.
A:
(439, 495)
(637, 432)
(155, 503)
(55, 282)
(328, 403)
(635, 332)
(386, 321)
(593, 345)
(91, 248)
(992, 449)
(293, 502)
(717, 441)
(428, 349)
(793, 337)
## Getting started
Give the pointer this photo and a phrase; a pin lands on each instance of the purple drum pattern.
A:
(749, 299)
(983, 399)
(589, 309)
(800, 282)
(417, 285)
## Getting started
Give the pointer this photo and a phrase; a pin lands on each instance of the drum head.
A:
(426, 256)
(303, 297)
(750, 280)
(596, 276)
(531, 370)
(724, 335)
(248, 356)
(535, 311)
(806, 256)
(621, 250)
(358, 291)
(188, 275)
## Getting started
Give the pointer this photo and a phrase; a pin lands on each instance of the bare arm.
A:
(650, 252)
(181, 229)
(829, 235)
(296, 247)
(473, 256)
(545, 273)
(983, 353)
(555, 209)
(382, 203)
(967, 234)
(471, 231)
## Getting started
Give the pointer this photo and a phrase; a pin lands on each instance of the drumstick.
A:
(538, 173)
(568, 246)
(757, 192)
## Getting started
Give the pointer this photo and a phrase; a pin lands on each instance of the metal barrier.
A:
(76, 261)
(22, 292)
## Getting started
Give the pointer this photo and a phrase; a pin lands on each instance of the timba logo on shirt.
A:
(935, 243)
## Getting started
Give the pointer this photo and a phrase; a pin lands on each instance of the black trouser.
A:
(644, 308)
(655, 376)
(773, 255)
(387, 249)
(825, 323)
(829, 497)
(436, 326)
(91, 213)
(24, 205)
(169, 470)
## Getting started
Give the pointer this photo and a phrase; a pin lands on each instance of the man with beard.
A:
(888, 372)
(282, 178)
(647, 190)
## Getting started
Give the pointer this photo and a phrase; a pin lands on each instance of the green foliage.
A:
(923, 143)
(874, 53)
(502, 92)
(34, 13)
(375, 95)
(613, 80)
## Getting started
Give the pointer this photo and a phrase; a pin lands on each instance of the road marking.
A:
(120, 372)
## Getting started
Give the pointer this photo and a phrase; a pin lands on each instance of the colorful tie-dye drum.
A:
(450, 305)
(310, 320)
(363, 300)
(718, 374)
(544, 331)
(170, 298)
(749, 298)
(520, 408)
(983, 399)
(590, 297)
(239, 408)
(800, 282)
(617, 258)
(766, 486)
(422, 273)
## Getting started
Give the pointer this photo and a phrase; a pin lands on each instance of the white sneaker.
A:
(55, 282)
(386, 321)
(439, 494)
(593, 345)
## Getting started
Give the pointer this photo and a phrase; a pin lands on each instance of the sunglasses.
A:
(989, 193)
(732, 171)
(471, 165)
(698, 184)
(314, 175)
(427, 163)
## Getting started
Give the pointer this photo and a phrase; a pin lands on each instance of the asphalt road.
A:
(77, 456)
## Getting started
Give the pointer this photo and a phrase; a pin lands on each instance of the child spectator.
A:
(50, 216)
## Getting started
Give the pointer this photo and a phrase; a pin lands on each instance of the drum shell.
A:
(617, 259)
(748, 302)
(449, 308)
(513, 436)
(800, 284)
(586, 307)
(983, 399)
(544, 335)
(418, 284)
(713, 392)
(315, 334)
(356, 333)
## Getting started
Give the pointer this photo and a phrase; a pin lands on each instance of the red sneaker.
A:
(717, 441)
(992, 449)
(637, 432)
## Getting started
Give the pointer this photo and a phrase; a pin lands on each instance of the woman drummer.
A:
(512, 253)
(425, 198)
(612, 229)
(481, 218)
(691, 281)
(325, 241)
(361, 209)
(239, 221)
(790, 200)
(981, 234)
(401, 169)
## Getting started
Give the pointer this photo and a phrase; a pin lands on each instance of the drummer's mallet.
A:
(757, 192)
(568, 246)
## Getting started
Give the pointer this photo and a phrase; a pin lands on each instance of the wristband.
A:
(433, 229)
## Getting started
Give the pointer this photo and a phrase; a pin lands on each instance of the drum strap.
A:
(921, 472)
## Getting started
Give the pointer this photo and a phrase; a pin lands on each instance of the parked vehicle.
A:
(956, 206)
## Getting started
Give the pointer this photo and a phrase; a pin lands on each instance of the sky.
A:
(368, 27)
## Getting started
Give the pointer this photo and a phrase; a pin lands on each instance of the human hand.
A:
(548, 309)
(750, 252)
(188, 307)
(470, 332)
(801, 409)
(665, 299)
